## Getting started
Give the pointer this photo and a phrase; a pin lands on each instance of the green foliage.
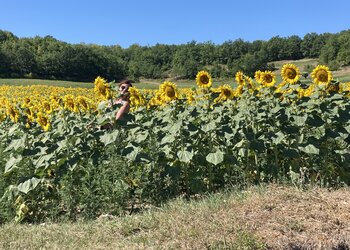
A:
(186, 62)
(336, 52)
(250, 63)
(76, 170)
(312, 44)
(49, 58)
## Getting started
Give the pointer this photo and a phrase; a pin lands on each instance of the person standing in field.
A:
(123, 99)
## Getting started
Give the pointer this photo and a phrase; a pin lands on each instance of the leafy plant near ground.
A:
(223, 137)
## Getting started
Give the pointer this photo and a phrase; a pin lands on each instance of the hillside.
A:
(343, 75)
(306, 65)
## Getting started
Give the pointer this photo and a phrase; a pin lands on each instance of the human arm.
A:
(122, 110)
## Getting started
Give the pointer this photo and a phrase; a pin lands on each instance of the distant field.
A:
(58, 83)
(143, 84)
(302, 64)
(154, 84)
(147, 84)
(342, 75)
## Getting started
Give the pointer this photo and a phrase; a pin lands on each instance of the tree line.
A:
(49, 58)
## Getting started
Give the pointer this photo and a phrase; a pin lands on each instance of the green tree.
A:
(249, 63)
(232, 50)
(4, 64)
(343, 56)
(291, 48)
(20, 57)
(6, 35)
(49, 57)
(330, 50)
(312, 44)
(208, 53)
(186, 61)
(255, 46)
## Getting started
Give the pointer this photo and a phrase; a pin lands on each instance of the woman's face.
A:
(124, 88)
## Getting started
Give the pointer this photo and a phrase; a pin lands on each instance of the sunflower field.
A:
(57, 162)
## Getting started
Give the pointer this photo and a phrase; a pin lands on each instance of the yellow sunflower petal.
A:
(290, 73)
(321, 75)
(203, 79)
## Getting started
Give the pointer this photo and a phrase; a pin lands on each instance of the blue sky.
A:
(107, 22)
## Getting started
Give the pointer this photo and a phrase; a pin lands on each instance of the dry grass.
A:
(342, 74)
(302, 63)
(284, 217)
(344, 71)
(275, 217)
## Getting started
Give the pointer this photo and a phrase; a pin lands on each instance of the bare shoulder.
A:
(123, 102)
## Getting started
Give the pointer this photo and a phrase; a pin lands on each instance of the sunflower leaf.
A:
(108, 138)
(185, 156)
(28, 185)
(12, 163)
(215, 158)
(310, 149)
(315, 121)
(16, 144)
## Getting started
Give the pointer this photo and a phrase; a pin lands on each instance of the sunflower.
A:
(280, 86)
(102, 89)
(203, 79)
(56, 100)
(12, 113)
(2, 116)
(43, 121)
(310, 90)
(189, 96)
(29, 113)
(238, 91)
(268, 78)
(240, 78)
(47, 107)
(290, 73)
(306, 92)
(257, 76)
(345, 87)
(70, 104)
(83, 103)
(26, 101)
(3, 100)
(333, 87)
(226, 93)
(250, 84)
(168, 91)
(156, 100)
(321, 75)
(136, 98)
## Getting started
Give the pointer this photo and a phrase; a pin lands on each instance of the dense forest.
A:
(49, 58)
